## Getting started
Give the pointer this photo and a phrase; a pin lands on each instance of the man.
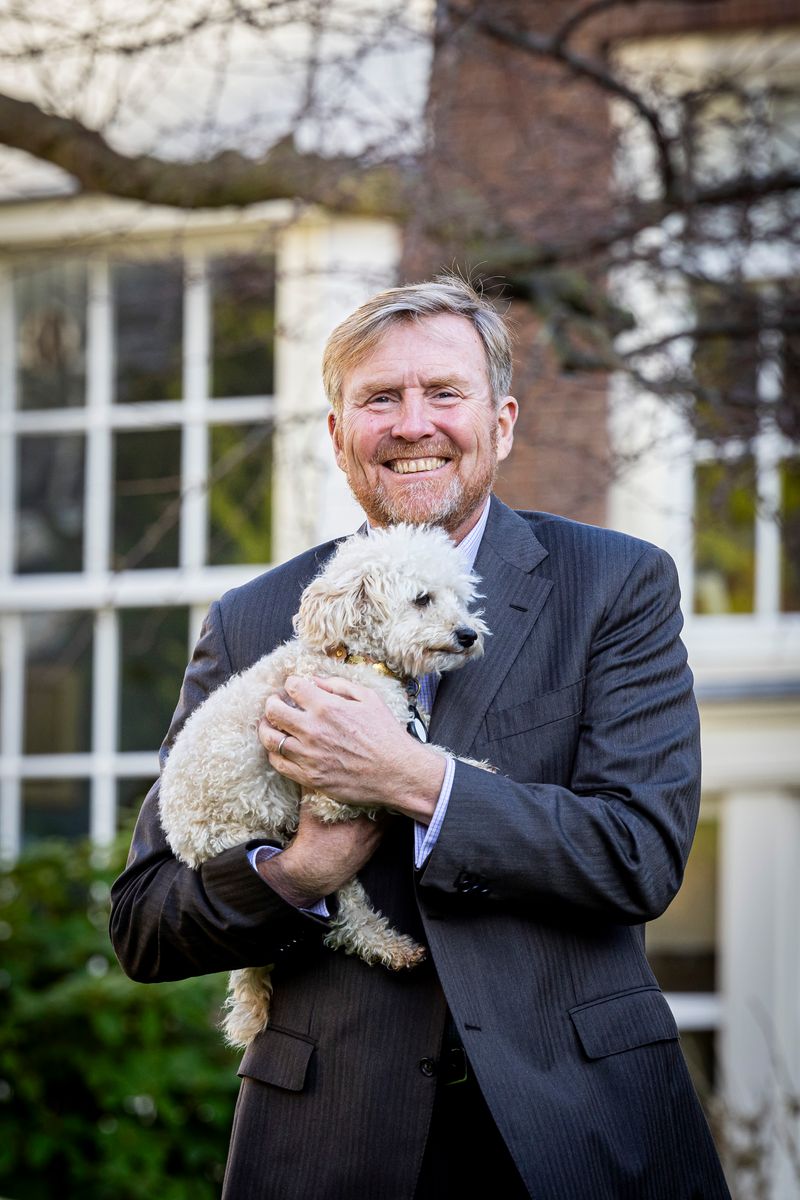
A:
(534, 1045)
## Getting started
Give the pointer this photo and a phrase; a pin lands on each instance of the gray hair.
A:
(359, 333)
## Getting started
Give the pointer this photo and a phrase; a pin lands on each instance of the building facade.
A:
(162, 438)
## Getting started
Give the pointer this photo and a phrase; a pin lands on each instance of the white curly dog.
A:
(386, 609)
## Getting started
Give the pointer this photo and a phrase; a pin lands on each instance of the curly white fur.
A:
(398, 597)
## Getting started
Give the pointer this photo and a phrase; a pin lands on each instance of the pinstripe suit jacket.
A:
(532, 902)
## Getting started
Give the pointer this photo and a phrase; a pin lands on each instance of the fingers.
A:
(305, 697)
(278, 745)
(270, 737)
(336, 686)
(286, 718)
(299, 689)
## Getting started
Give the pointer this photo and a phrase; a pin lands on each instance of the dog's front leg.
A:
(247, 1005)
(333, 811)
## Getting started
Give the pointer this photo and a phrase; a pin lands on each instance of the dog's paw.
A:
(358, 929)
(404, 953)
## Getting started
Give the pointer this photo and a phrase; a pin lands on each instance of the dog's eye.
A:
(423, 599)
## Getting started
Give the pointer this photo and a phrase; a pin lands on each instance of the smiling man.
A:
(533, 1054)
(418, 428)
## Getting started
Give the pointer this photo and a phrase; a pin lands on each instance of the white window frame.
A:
(655, 497)
(325, 266)
(730, 654)
(97, 588)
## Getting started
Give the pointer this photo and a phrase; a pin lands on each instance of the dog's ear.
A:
(372, 599)
(331, 610)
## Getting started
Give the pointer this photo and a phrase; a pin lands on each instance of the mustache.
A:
(434, 448)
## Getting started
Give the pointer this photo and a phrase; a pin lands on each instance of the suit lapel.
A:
(513, 598)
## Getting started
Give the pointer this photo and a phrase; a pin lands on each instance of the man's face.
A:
(419, 436)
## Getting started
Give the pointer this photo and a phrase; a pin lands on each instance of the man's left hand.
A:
(344, 742)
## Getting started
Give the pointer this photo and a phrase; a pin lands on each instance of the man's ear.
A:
(333, 430)
(507, 411)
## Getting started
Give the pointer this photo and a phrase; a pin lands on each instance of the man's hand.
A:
(320, 858)
(343, 741)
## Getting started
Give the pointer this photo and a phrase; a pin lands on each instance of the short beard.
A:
(424, 504)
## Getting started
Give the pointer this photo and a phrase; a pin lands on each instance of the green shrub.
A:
(109, 1090)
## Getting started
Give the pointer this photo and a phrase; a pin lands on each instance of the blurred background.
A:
(191, 196)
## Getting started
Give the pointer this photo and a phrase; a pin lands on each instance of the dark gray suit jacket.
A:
(532, 901)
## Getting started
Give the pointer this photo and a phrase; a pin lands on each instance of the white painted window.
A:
(162, 439)
(747, 460)
(136, 409)
(713, 475)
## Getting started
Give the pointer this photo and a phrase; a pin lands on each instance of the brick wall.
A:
(535, 146)
(519, 138)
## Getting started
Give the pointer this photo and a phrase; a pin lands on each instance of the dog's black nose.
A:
(465, 636)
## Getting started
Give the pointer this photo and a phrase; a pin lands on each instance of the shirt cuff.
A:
(425, 836)
(320, 909)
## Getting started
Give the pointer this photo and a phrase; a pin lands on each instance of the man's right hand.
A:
(320, 858)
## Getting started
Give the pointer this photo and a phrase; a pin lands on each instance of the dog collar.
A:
(342, 654)
(416, 725)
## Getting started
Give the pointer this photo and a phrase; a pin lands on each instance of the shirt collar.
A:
(470, 544)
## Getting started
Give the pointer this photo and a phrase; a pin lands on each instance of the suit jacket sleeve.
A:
(611, 840)
(170, 922)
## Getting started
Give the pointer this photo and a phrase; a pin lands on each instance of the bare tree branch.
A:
(342, 184)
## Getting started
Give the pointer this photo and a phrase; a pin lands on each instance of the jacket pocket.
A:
(623, 1022)
(538, 710)
(278, 1056)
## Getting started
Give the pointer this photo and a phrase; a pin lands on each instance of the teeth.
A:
(408, 466)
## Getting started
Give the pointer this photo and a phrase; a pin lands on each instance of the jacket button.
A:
(427, 1066)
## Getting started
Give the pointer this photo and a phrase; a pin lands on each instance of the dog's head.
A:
(400, 596)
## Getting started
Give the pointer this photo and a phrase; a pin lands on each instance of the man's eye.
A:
(381, 399)
(423, 599)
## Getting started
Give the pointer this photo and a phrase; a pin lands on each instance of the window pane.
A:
(50, 319)
(58, 683)
(725, 507)
(790, 536)
(699, 1048)
(130, 795)
(788, 407)
(54, 808)
(147, 473)
(718, 131)
(152, 662)
(725, 363)
(50, 481)
(682, 944)
(148, 330)
(243, 326)
(240, 494)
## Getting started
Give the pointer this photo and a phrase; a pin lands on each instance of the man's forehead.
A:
(432, 350)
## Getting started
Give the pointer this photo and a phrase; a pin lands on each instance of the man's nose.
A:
(413, 420)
